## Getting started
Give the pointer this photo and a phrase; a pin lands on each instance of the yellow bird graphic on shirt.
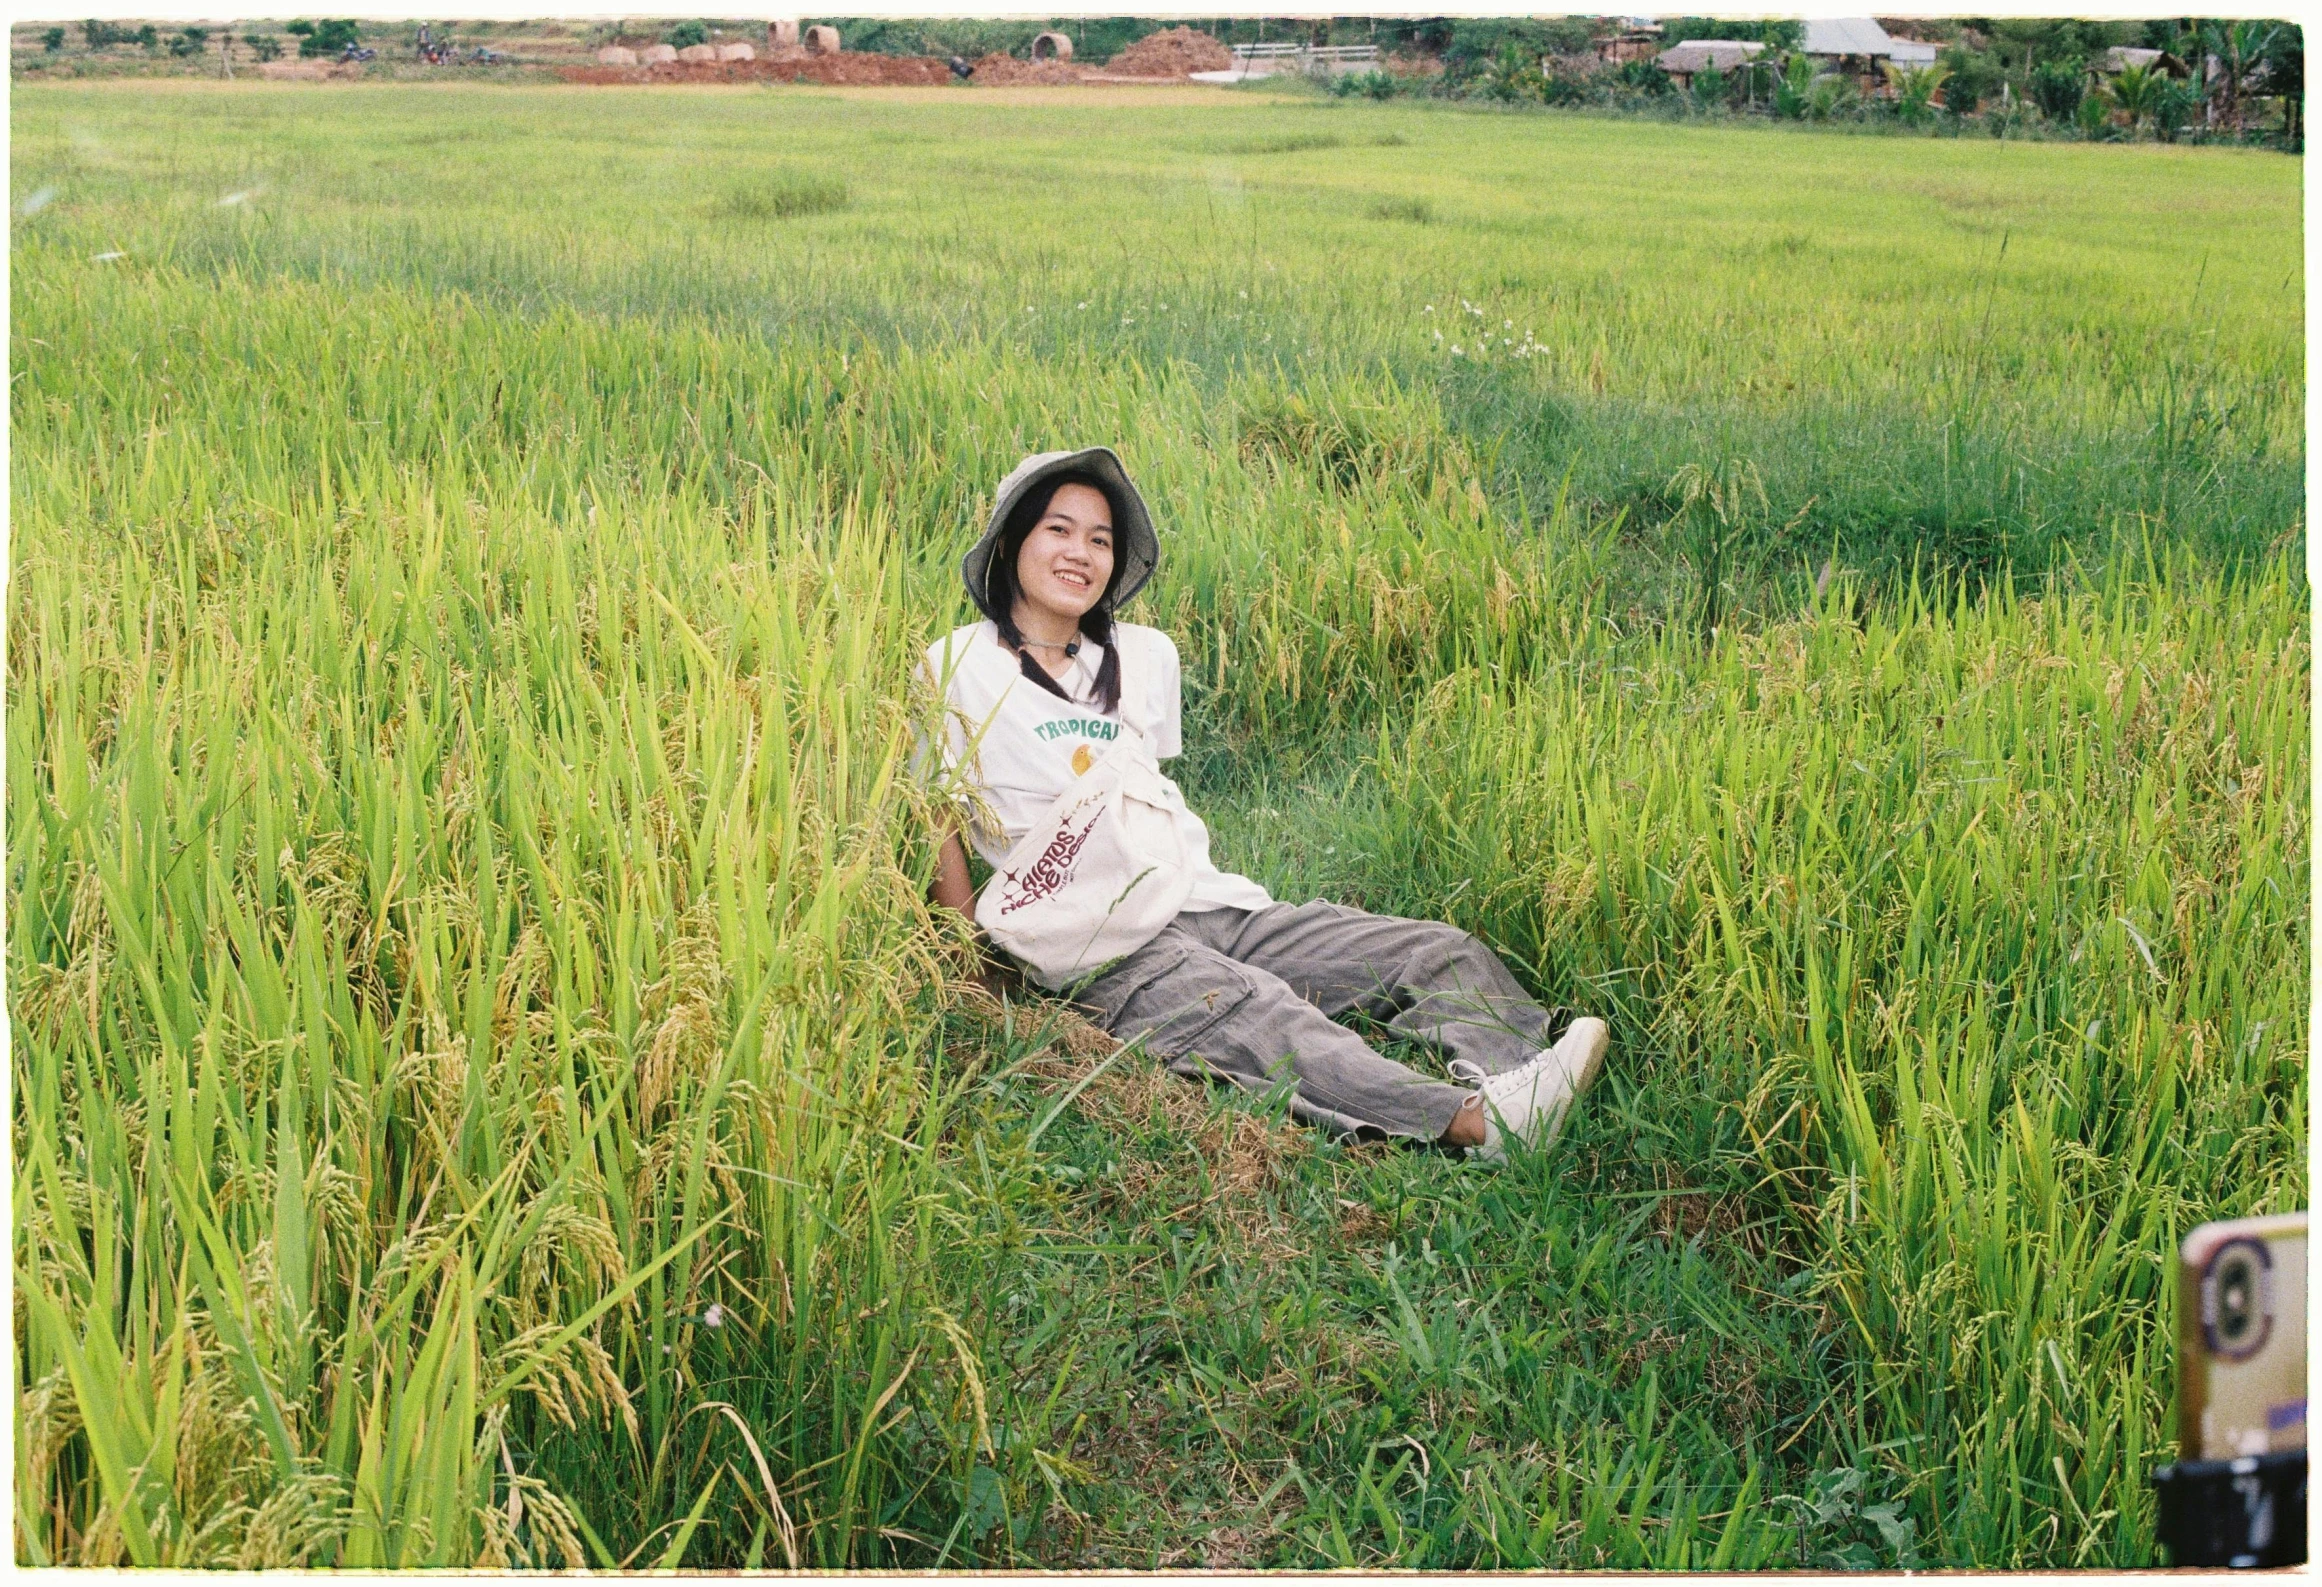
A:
(1081, 761)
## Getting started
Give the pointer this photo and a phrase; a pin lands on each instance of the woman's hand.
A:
(951, 888)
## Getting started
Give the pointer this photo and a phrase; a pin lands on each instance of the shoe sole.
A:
(1595, 1038)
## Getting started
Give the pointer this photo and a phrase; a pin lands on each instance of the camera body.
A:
(2241, 1338)
(2239, 1498)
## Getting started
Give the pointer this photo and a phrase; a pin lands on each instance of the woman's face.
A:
(1067, 559)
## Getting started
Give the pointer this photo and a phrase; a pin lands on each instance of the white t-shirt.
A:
(1033, 744)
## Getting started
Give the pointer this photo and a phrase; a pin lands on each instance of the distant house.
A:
(2120, 57)
(1859, 48)
(1636, 41)
(1693, 56)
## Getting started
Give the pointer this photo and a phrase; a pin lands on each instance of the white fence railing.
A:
(1305, 57)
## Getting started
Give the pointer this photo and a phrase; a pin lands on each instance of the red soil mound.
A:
(1006, 69)
(1174, 52)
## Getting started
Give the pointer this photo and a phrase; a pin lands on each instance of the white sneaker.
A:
(1533, 1102)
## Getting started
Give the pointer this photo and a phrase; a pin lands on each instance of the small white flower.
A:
(115, 254)
(1430, 309)
(1455, 349)
(715, 1316)
(1080, 305)
(37, 201)
(1241, 294)
(1507, 325)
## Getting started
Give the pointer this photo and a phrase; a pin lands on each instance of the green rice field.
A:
(487, 1085)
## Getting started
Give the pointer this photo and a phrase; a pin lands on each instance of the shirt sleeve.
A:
(1168, 703)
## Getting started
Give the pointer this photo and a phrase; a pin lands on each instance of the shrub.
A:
(1477, 42)
(1512, 75)
(1975, 79)
(1708, 88)
(686, 34)
(2173, 108)
(191, 41)
(1832, 94)
(1645, 76)
(1369, 85)
(1775, 36)
(264, 45)
(2057, 87)
(783, 195)
(1793, 92)
(1566, 88)
(53, 40)
(1418, 211)
(323, 39)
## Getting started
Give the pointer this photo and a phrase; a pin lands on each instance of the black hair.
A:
(1001, 589)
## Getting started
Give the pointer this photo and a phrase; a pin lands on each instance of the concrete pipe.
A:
(1052, 47)
(782, 35)
(698, 54)
(655, 54)
(822, 40)
(736, 52)
(616, 55)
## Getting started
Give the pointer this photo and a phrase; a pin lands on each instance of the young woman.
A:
(1237, 985)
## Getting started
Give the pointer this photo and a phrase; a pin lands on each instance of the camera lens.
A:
(2236, 1306)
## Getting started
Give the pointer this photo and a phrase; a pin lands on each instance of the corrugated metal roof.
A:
(1846, 36)
(1695, 54)
(1910, 52)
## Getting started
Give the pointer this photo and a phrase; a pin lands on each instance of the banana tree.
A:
(1915, 89)
(1793, 90)
(1830, 95)
(2236, 49)
(2136, 92)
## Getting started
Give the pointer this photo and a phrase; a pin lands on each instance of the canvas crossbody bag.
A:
(1104, 869)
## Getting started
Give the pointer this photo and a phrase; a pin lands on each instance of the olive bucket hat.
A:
(1139, 548)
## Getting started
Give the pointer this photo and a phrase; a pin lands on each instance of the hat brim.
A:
(1137, 549)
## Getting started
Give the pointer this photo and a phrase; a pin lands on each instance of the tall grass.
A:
(487, 1086)
(1985, 915)
(462, 960)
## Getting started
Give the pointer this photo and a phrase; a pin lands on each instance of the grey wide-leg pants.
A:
(1248, 995)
